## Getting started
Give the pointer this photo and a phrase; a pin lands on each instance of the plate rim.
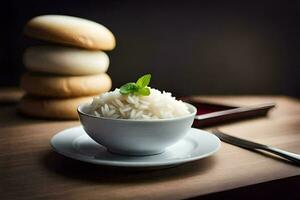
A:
(83, 158)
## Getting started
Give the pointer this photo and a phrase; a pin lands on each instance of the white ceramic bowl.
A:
(135, 137)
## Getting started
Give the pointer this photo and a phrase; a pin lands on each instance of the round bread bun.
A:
(71, 31)
(52, 108)
(65, 60)
(65, 86)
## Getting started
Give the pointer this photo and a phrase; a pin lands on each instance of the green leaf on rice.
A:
(144, 91)
(144, 81)
(138, 88)
(128, 88)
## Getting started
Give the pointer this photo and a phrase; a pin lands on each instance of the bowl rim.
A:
(193, 113)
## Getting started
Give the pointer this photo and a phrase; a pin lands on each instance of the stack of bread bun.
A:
(68, 71)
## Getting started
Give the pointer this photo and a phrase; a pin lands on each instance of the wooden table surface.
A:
(31, 170)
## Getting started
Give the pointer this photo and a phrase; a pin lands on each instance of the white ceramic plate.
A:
(76, 144)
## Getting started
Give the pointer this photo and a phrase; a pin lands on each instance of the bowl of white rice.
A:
(136, 124)
(136, 119)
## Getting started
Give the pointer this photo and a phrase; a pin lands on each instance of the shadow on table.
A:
(286, 188)
(96, 173)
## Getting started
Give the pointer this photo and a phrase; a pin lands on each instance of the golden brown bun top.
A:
(72, 31)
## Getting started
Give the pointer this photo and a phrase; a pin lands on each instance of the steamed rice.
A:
(158, 105)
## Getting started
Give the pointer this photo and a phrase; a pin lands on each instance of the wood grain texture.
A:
(29, 169)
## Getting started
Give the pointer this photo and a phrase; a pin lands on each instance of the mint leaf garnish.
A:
(129, 88)
(144, 81)
(138, 88)
(144, 91)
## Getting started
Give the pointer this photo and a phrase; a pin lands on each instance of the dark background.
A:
(190, 47)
